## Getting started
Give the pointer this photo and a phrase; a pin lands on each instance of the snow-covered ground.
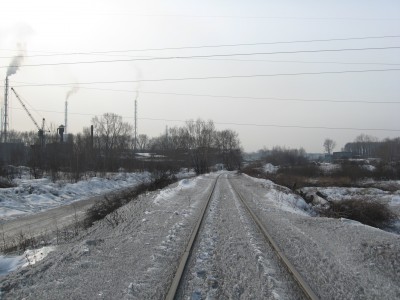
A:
(9, 263)
(35, 195)
(391, 198)
(269, 168)
(340, 259)
(136, 259)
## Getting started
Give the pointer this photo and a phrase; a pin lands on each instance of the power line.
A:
(270, 98)
(243, 124)
(244, 97)
(203, 56)
(304, 62)
(286, 126)
(202, 46)
(132, 14)
(213, 77)
(230, 96)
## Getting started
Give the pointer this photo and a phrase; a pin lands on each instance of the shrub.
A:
(281, 156)
(254, 170)
(109, 204)
(352, 170)
(308, 170)
(372, 213)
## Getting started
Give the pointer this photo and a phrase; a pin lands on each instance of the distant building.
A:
(342, 155)
(315, 156)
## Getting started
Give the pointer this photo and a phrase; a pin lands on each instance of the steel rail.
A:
(189, 247)
(309, 293)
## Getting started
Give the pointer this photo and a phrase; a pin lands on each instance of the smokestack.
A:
(91, 136)
(66, 117)
(5, 125)
(72, 91)
(11, 70)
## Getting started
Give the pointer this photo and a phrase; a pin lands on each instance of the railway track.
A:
(183, 265)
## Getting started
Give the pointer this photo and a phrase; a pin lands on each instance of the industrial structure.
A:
(5, 112)
(66, 117)
(40, 129)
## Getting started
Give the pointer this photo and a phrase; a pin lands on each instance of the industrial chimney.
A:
(5, 117)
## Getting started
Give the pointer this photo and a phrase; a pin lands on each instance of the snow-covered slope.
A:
(34, 195)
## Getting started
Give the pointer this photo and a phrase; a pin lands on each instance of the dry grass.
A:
(373, 213)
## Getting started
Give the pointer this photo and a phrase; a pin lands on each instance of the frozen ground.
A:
(8, 263)
(35, 195)
(135, 260)
(340, 259)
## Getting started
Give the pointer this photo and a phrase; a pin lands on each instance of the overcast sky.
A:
(146, 40)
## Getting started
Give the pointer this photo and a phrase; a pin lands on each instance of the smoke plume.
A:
(20, 33)
(15, 64)
(72, 91)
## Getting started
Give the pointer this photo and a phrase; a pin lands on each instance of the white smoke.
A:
(19, 34)
(16, 63)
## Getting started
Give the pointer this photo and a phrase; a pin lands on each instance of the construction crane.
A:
(40, 129)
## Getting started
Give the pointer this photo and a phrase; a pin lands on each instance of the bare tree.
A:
(200, 136)
(111, 138)
(142, 142)
(364, 145)
(228, 144)
(329, 145)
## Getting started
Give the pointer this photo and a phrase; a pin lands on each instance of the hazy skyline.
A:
(293, 99)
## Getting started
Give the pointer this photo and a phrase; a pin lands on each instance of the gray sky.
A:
(258, 108)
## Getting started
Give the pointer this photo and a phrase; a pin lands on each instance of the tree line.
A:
(367, 146)
(109, 145)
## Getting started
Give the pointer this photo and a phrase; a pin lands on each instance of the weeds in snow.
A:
(372, 213)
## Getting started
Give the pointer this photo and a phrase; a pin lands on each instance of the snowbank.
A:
(269, 168)
(9, 263)
(283, 198)
(34, 195)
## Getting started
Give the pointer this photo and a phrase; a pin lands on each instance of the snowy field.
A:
(35, 195)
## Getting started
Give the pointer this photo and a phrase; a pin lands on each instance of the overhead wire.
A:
(303, 62)
(212, 77)
(239, 76)
(202, 56)
(202, 46)
(243, 97)
(244, 124)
